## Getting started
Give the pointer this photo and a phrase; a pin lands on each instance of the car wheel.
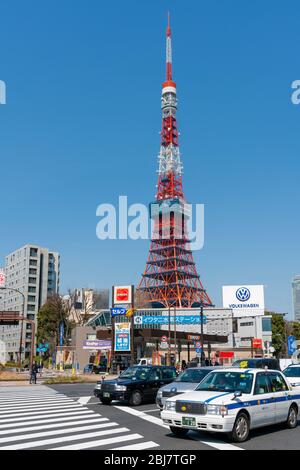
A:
(105, 401)
(291, 421)
(136, 398)
(241, 428)
(180, 432)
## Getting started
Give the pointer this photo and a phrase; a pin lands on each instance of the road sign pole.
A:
(113, 321)
(132, 328)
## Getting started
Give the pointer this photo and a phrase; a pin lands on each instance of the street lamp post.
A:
(22, 319)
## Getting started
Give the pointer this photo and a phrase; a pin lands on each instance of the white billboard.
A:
(244, 299)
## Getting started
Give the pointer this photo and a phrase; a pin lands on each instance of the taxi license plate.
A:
(106, 395)
(188, 421)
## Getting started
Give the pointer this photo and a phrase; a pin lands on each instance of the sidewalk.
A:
(89, 378)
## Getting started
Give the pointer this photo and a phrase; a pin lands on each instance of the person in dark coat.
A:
(33, 372)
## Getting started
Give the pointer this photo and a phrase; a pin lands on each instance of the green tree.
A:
(50, 316)
(278, 333)
(294, 329)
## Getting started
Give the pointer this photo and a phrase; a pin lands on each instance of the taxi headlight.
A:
(121, 388)
(159, 394)
(98, 386)
(170, 405)
(217, 410)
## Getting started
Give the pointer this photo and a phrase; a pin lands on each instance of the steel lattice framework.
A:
(170, 278)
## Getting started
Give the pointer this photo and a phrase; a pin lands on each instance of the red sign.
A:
(257, 343)
(2, 279)
(122, 294)
(226, 354)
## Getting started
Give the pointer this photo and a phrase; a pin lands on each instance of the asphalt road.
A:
(145, 420)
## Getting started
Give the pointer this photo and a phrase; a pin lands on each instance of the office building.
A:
(296, 298)
(34, 272)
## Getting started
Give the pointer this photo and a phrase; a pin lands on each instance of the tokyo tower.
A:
(170, 278)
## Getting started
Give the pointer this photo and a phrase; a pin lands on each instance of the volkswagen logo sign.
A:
(243, 294)
(173, 389)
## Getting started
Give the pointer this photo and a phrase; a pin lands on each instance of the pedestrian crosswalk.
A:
(42, 418)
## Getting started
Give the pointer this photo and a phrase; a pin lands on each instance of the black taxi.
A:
(135, 385)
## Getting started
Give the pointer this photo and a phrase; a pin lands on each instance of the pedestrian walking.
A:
(33, 373)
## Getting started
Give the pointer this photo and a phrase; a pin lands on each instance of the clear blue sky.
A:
(82, 120)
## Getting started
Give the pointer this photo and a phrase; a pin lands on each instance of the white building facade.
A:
(34, 271)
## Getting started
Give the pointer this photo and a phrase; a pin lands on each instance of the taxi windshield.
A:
(292, 372)
(227, 382)
(137, 373)
(192, 375)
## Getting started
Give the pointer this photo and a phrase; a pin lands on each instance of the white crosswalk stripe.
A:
(80, 412)
(45, 419)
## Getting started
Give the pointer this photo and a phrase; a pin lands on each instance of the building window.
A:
(31, 298)
(32, 280)
(33, 262)
(32, 289)
(30, 308)
(267, 324)
(33, 252)
(91, 337)
(234, 325)
(32, 271)
(247, 323)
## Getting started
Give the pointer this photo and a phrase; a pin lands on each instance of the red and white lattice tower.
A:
(170, 278)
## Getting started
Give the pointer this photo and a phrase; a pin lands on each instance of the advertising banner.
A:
(292, 347)
(244, 299)
(122, 337)
(61, 333)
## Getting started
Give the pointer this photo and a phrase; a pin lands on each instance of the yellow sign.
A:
(130, 312)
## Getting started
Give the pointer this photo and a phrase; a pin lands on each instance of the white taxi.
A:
(233, 401)
(292, 373)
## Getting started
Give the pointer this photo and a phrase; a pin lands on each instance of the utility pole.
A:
(175, 336)
(201, 334)
(169, 342)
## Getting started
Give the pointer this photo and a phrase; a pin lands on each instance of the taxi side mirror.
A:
(237, 394)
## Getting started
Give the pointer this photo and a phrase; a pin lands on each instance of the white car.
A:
(233, 401)
(292, 373)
